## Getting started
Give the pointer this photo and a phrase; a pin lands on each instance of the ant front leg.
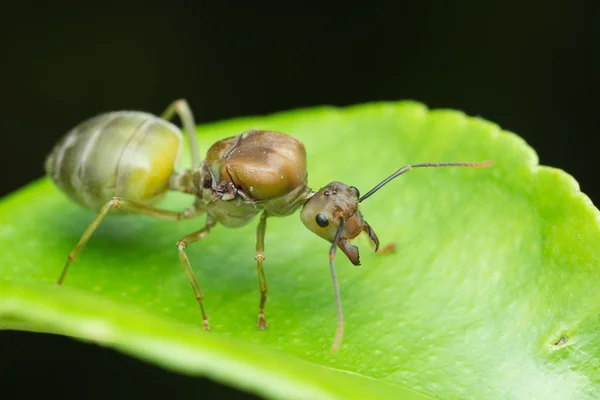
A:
(187, 267)
(260, 257)
(118, 202)
(182, 108)
(390, 248)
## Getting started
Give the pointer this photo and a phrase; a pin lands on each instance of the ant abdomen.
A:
(126, 154)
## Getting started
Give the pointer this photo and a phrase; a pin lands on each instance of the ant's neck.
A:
(183, 181)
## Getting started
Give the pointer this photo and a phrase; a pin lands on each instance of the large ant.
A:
(126, 160)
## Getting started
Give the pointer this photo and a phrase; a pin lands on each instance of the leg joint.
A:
(116, 201)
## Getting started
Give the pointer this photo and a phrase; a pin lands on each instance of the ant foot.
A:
(206, 325)
(262, 324)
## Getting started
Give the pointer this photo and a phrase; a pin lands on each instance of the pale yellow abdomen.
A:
(126, 154)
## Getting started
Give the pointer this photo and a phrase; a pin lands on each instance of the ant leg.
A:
(182, 108)
(260, 257)
(187, 267)
(118, 202)
(390, 248)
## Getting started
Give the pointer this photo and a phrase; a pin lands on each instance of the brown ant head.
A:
(323, 212)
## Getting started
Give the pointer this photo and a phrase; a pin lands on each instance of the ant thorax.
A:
(248, 173)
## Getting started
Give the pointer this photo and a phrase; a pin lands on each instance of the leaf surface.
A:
(493, 291)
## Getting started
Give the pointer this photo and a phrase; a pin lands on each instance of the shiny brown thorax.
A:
(248, 173)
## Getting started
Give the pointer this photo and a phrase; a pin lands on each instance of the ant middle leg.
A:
(187, 267)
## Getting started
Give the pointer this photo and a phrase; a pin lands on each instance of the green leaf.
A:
(492, 293)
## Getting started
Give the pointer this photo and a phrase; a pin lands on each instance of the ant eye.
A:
(322, 220)
(355, 190)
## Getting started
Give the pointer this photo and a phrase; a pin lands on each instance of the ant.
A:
(126, 160)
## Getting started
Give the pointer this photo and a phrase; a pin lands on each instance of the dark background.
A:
(530, 66)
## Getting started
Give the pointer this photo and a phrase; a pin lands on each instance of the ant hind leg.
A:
(116, 203)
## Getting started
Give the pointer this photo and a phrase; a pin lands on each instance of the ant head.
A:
(322, 212)
(325, 210)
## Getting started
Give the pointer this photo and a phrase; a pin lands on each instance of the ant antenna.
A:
(408, 167)
(339, 332)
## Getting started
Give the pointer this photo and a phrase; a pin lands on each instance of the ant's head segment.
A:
(324, 212)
